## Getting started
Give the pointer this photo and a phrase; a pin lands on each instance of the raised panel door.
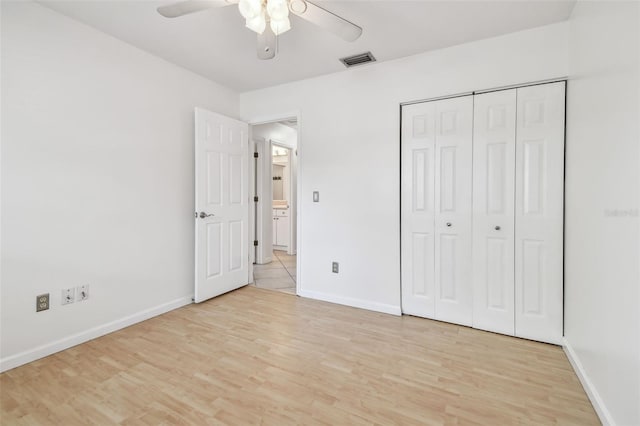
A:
(452, 215)
(417, 209)
(494, 140)
(539, 212)
(221, 203)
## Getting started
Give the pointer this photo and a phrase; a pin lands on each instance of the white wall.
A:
(602, 280)
(97, 180)
(349, 151)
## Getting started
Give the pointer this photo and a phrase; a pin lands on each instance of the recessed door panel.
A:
(214, 177)
(497, 177)
(499, 277)
(235, 179)
(448, 179)
(539, 212)
(214, 249)
(448, 267)
(422, 279)
(493, 210)
(533, 185)
(422, 192)
(453, 177)
(532, 271)
(236, 241)
(417, 209)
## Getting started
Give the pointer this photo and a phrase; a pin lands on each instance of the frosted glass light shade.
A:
(257, 23)
(250, 8)
(277, 9)
(280, 26)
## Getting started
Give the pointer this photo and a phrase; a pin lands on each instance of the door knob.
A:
(449, 224)
(497, 228)
(203, 215)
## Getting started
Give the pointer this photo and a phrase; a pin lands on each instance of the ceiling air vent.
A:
(362, 58)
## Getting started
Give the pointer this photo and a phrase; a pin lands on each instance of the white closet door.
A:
(494, 144)
(417, 209)
(453, 198)
(539, 211)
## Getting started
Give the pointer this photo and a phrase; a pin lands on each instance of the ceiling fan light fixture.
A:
(278, 9)
(250, 8)
(280, 26)
(257, 23)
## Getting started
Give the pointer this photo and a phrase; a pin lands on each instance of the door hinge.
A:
(255, 243)
(255, 155)
(255, 199)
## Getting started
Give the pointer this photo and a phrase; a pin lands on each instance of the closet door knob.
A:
(497, 228)
(449, 224)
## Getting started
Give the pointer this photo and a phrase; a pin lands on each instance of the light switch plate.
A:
(316, 196)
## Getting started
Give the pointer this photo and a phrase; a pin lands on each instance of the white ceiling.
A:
(216, 45)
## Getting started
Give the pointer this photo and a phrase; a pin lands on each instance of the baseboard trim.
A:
(354, 303)
(25, 357)
(589, 388)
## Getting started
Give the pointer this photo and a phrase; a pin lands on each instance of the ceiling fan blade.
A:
(325, 19)
(190, 6)
(267, 44)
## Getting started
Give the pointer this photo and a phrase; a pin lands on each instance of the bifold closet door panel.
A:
(418, 209)
(539, 211)
(494, 144)
(453, 202)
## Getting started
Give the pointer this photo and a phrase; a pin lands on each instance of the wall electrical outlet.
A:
(42, 302)
(68, 295)
(82, 292)
(335, 267)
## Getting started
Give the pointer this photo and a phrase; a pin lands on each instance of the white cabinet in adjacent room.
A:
(280, 229)
(482, 210)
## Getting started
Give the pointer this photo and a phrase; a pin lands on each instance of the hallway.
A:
(279, 275)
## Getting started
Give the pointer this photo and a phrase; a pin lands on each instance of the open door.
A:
(221, 204)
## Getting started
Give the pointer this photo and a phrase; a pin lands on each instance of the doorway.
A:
(276, 205)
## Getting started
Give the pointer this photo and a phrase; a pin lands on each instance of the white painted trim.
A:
(589, 388)
(355, 303)
(30, 355)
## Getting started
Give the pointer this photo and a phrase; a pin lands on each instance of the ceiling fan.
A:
(270, 18)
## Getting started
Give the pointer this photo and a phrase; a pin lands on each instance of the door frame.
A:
(267, 119)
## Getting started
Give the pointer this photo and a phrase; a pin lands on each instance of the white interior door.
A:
(494, 144)
(221, 201)
(418, 209)
(453, 201)
(539, 211)
(436, 209)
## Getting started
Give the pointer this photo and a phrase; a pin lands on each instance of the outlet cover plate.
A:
(335, 267)
(42, 302)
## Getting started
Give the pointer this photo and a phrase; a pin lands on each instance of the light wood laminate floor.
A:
(262, 357)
